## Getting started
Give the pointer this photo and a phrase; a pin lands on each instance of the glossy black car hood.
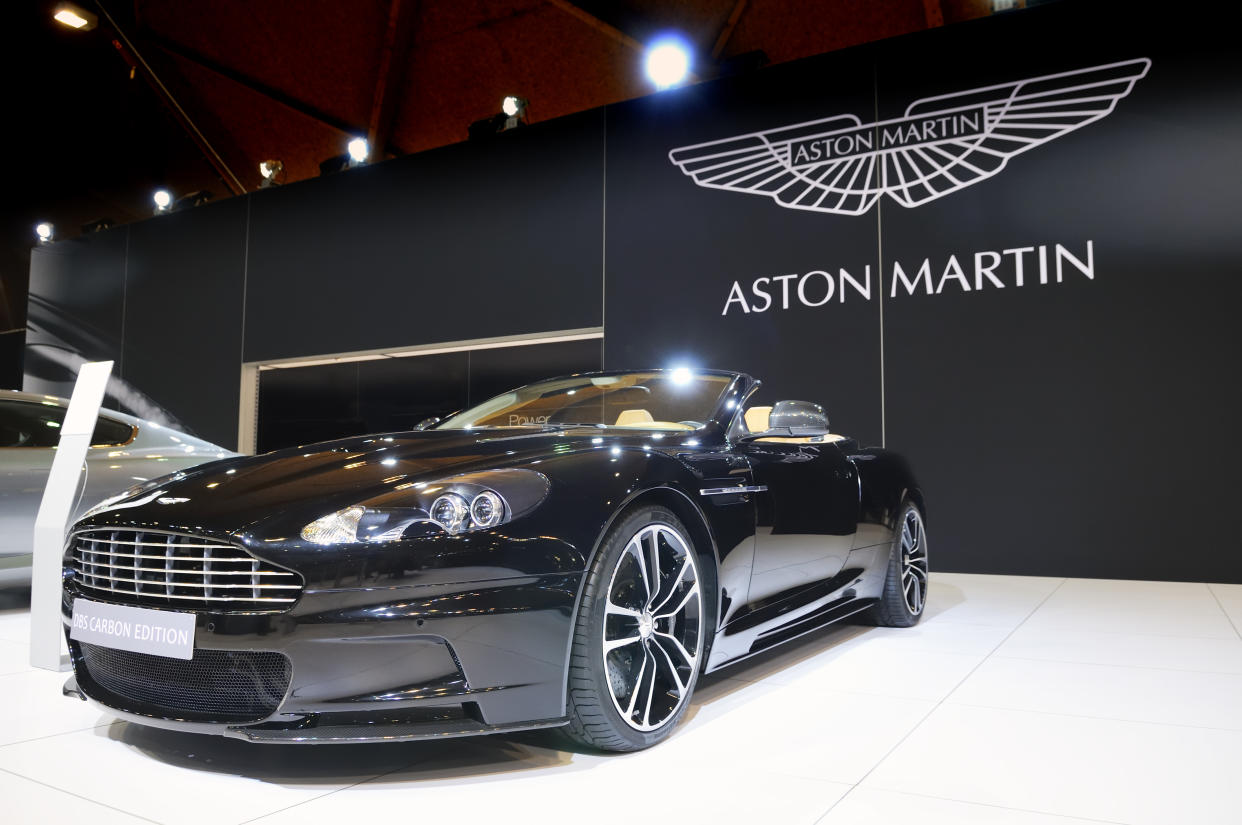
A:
(304, 483)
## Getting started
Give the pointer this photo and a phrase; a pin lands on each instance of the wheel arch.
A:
(684, 507)
(886, 480)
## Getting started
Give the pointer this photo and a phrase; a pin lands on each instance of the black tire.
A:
(597, 680)
(904, 596)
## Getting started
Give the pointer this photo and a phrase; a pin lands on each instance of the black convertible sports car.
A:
(573, 554)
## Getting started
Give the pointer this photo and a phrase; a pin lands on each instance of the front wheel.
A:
(905, 584)
(639, 635)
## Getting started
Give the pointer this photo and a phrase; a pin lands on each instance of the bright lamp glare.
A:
(667, 64)
(75, 17)
(70, 19)
(359, 150)
(162, 198)
(681, 375)
(44, 231)
(511, 106)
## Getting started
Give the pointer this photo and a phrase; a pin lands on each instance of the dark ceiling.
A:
(294, 79)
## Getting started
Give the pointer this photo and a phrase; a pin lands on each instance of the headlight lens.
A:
(335, 528)
(450, 512)
(487, 509)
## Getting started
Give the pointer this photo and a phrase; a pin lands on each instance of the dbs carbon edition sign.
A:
(944, 143)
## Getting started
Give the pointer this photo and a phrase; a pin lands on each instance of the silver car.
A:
(124, 451)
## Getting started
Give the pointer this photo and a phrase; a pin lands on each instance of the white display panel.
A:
(47, 643)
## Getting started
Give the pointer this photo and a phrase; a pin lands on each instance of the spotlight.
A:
(682, 375)
(163, 200)
(45, 231)
(358, 150)
(667, 62)
(75, 17)
(511, 114)
(270, 169)
(513, 106)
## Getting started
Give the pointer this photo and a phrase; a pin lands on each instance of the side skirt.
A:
(829, 614)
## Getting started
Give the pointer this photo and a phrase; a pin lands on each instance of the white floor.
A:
(1017, 700)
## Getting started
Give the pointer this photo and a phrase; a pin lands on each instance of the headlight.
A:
(335, 528)
(454, 505)
(450, 511)
(487, 509)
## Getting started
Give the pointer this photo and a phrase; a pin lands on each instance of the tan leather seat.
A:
(633, 418)
(641, 419)
(757, 418)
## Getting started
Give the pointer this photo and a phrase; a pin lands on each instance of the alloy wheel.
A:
(652, 629)
(913, 561)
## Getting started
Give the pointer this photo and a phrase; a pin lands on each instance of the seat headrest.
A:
(629, 418)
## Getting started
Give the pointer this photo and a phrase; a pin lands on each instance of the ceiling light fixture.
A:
(667, 62)
(513, 106)
(270, 170)
(75, 17)
(512, 114)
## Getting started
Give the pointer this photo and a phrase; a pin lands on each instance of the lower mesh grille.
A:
(214, 686)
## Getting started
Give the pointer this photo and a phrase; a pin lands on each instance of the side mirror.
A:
(793, 419)
(797, 415)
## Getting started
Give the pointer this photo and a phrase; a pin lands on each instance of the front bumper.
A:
(371, 664)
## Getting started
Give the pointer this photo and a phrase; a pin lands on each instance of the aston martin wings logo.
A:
(945, 143)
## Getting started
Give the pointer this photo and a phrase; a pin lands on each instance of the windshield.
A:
(658, 400)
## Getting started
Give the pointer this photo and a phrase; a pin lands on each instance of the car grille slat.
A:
(243, 559)
(214, 686)
(246, 586)
(168, 569)
(192, 571)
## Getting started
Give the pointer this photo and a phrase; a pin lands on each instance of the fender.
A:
(885, 481)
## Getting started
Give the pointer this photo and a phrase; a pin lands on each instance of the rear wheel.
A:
(639, 635)
(905, 585)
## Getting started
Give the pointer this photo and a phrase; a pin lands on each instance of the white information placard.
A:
(140, 629)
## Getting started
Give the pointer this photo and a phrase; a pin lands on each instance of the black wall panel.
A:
(469, 241)
(1083, 427)
(675, 250)
(183, 315)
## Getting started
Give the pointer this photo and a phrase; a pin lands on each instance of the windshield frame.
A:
(728, 403)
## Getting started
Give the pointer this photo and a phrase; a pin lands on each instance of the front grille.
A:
(214, 686)
(174, 570)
